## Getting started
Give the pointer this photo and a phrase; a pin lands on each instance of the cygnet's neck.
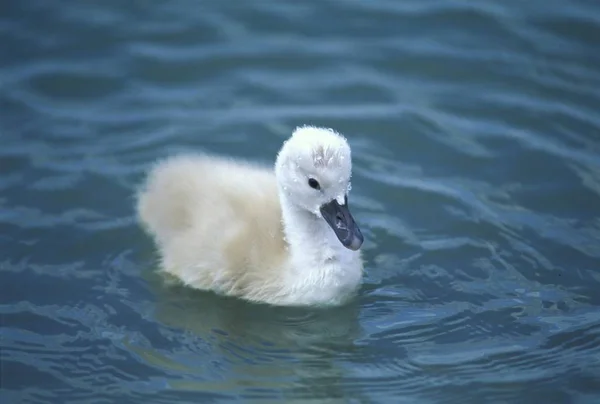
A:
(310, 238)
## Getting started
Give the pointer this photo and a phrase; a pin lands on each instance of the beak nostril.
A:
(339, 221)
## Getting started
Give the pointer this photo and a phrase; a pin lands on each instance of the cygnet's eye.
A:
(314, 183)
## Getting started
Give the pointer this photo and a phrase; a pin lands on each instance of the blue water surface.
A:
(475, 130)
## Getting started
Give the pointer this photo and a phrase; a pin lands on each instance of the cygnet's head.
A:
(313, 170)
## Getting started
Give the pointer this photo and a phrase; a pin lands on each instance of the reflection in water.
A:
(257, 342)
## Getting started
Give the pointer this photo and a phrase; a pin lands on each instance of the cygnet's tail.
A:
(172, 189)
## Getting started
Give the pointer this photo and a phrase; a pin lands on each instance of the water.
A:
(475, 136)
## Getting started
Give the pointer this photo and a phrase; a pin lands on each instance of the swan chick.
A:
(281, 236)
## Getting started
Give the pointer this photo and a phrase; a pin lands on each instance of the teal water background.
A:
(475, 129)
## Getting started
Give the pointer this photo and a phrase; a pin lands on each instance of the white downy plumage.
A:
(283, 236)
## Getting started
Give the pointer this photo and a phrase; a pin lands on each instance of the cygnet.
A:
(282, 236)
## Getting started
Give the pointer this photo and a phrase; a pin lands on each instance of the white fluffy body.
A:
(256, 233)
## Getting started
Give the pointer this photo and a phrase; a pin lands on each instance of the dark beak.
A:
(343, 224)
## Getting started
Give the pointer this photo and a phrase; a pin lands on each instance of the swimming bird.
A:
(281, 235)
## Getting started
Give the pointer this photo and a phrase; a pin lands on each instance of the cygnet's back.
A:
(217, 223)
